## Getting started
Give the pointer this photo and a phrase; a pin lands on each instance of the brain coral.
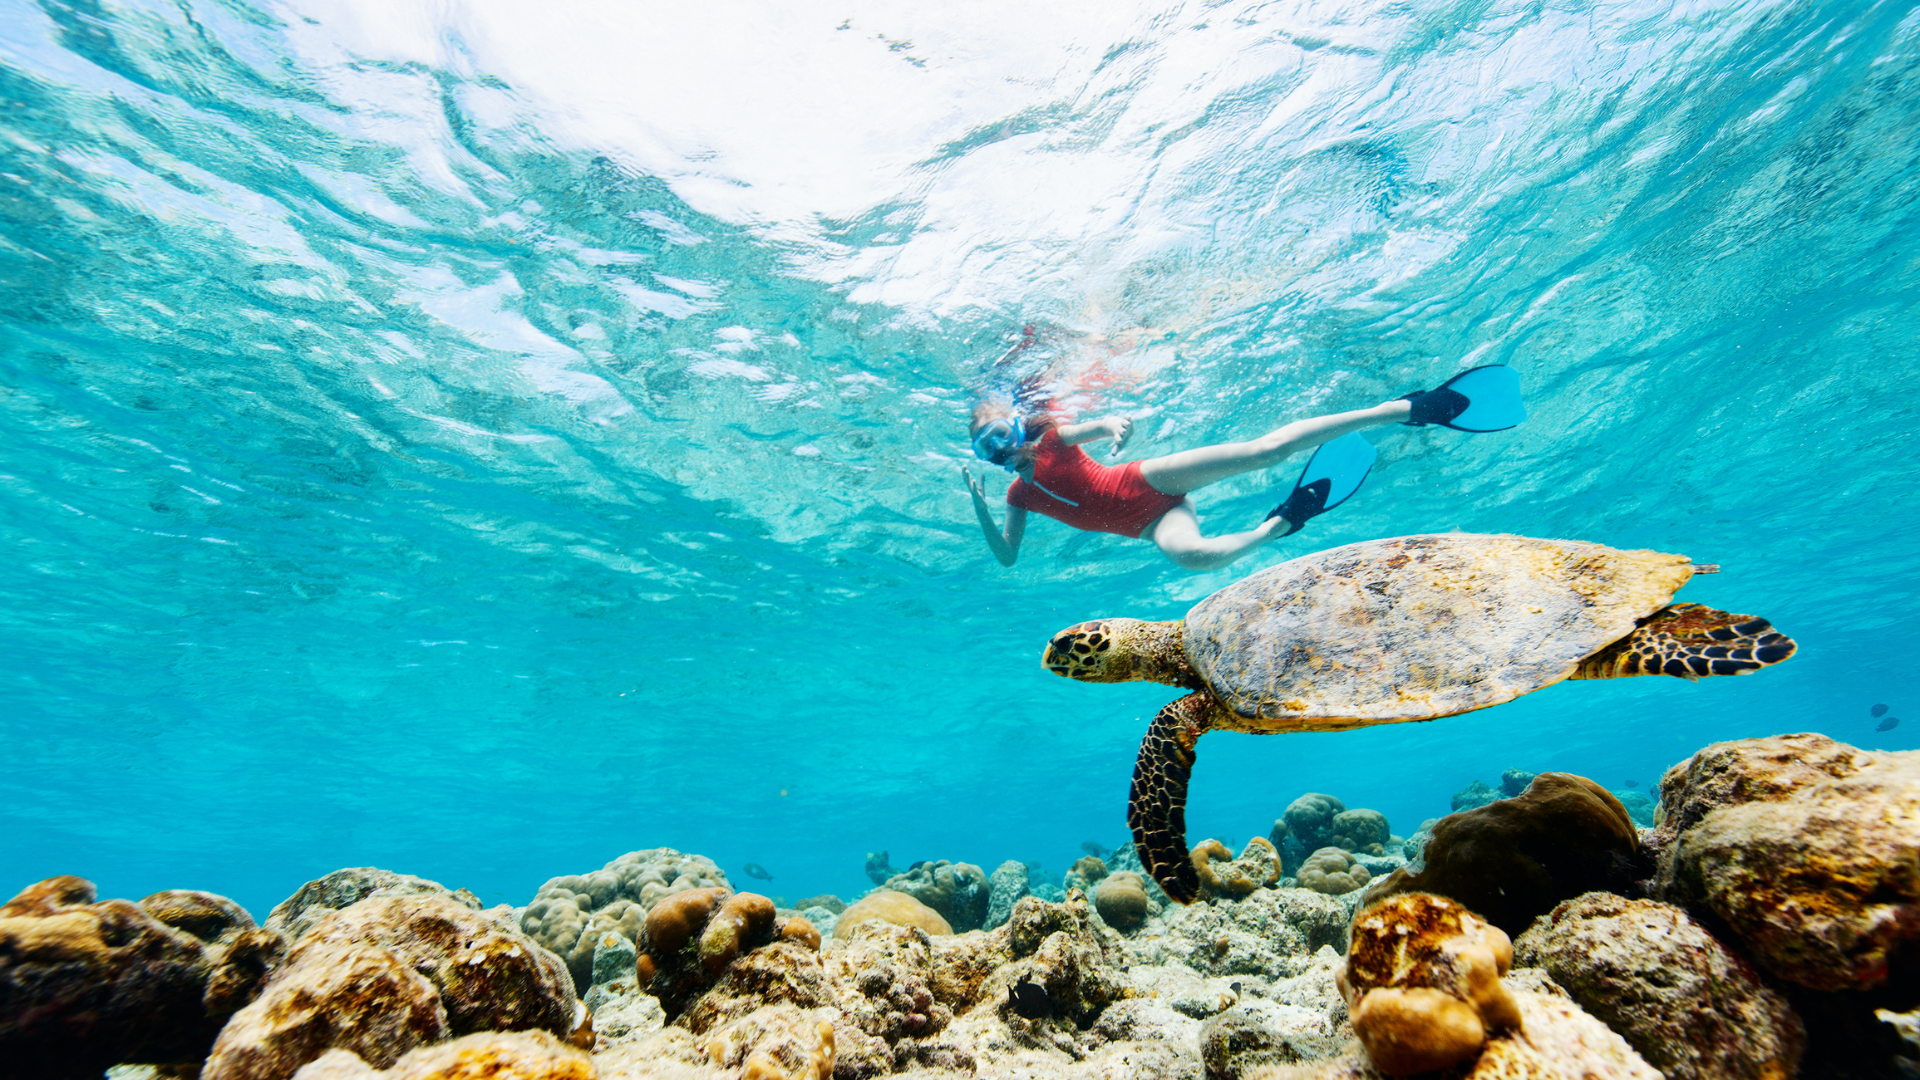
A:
(1223, 875)
(1361, 831)
(1121, 900)
(569, 913)
(1422, 982)
(1512, 860)
(887, 906)
(958, 891)
(1310, 819)
(1332, 871)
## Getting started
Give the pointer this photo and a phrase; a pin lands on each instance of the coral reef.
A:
(1121, 900)
(1360, 831)
(1804, 848)
(878, 868)
(1474, 796)
(390, 973)
(1005, 886)
(1514, 782)
(1222, 875)
(1309, 819)
(1415, 848)
(85, 985)
(1639, 806)
(828, 901)
(570, 912)
(1692, 1008)
(323, 896)
(495, 1055)
(1423, 983)
(1260, 1033)
(957, 891)
(1512, 860)
(1085, 874)
(1271, 934)
(693, 938)
(1332, 871)
(885, 905)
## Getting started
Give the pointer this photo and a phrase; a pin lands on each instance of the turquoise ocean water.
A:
(479, 442)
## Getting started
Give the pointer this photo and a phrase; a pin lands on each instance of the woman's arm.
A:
(1119, 428)
(1006, 546)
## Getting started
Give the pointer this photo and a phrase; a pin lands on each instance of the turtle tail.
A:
(1157, 805)
(1688, 641)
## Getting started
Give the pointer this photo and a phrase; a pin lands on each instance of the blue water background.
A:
(388, 479)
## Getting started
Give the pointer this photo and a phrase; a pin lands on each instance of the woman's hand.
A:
(973, 485)
(1121, 428)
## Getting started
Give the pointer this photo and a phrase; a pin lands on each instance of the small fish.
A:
(1631, 783)
(1879, 710)
(1029, 999)
(1888, 724)
(1094, 849)
(758, 872)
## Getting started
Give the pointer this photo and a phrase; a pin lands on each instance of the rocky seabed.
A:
(1763, 928)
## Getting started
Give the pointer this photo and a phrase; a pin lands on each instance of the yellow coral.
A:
(1223, 875)
(885, 905)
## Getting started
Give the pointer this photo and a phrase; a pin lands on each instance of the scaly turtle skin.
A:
(1388, 631)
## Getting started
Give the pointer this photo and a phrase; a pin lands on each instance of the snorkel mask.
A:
(999, 440)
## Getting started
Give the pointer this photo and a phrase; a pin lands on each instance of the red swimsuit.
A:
(1069, 486)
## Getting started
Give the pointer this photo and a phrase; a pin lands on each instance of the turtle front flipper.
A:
(1688, 641)
(1157, 805)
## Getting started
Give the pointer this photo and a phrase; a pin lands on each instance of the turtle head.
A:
(1121, 650)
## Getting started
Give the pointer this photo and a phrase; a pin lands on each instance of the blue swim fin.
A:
(1478, 399)
(1334, 472)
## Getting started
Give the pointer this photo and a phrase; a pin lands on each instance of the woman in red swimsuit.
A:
(1144, 499)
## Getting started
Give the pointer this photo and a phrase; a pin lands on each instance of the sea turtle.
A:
(1386, 631)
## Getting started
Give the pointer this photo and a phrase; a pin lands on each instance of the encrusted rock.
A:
(323, 896)
(1005, 887)
(1693, 1009)
(1512, 860)
(1258, 1033)
(346, 996)
(957, 891)
(390, 973)
(1271, 933)
(86, 985)
(493, 1055)
(775, 1042)
(1806, 849)
(570, 912)
(1223, 875)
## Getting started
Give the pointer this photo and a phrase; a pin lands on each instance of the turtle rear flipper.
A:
(1688, 641)
(1157, 805)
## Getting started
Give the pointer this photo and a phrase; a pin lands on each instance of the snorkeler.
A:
(1148, 499)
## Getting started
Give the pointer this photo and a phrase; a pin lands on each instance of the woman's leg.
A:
(1177, 535)
(1189, 470)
